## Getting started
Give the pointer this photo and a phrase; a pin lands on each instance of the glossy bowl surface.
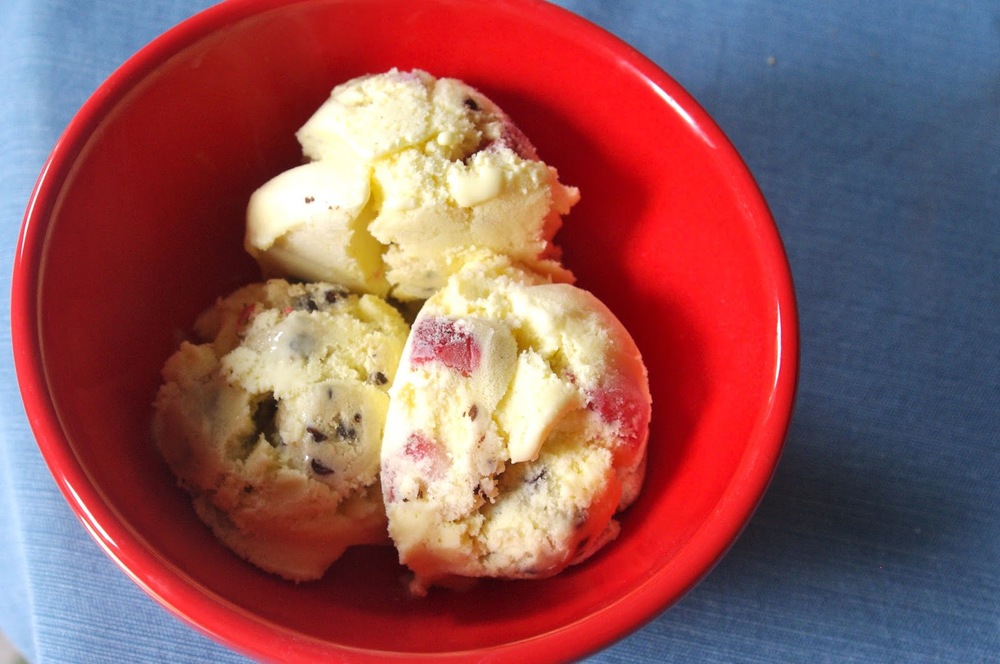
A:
(136, 225)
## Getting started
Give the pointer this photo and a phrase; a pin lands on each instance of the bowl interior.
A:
(137, 225)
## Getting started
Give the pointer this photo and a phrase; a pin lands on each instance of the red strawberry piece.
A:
(623, 407)
(427, 454)
(418, 446)
(446, 341)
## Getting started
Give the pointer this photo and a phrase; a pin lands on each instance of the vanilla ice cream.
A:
(409, 178)
(498, 437)
(273, 418)
(516, 429)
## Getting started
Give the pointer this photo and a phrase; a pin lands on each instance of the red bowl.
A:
(136, 224)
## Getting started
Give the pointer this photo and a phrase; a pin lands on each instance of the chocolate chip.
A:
(310, 199)
(357, 418)
(473, 412)
(380, 378)
(305, 303)
(539, 475)
(319, 468)
(345, 432)
(333, 295)
(470, 104)
(316, 434)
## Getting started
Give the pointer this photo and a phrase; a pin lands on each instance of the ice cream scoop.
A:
(516, 429)
(409, 178)
(272, 419)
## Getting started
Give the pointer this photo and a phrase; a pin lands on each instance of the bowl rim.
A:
(258, 637)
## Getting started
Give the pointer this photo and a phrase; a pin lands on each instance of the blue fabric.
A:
(873, 129)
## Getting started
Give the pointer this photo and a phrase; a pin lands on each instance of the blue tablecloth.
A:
(874, 131)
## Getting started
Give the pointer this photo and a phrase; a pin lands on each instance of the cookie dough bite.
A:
(273, 421)
(516, 430)
(409, 178)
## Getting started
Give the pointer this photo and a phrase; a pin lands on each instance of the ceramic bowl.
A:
(136, 225)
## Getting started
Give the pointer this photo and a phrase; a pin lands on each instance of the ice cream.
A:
(498, 437)
(516, 429)
(409, 177)
(273, 418)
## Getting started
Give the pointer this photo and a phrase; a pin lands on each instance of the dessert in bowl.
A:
(137, 224)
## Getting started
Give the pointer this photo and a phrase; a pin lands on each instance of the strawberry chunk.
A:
(421, 456)
(446, 341)
(427, 454)
(623, 408)
(419, 447)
